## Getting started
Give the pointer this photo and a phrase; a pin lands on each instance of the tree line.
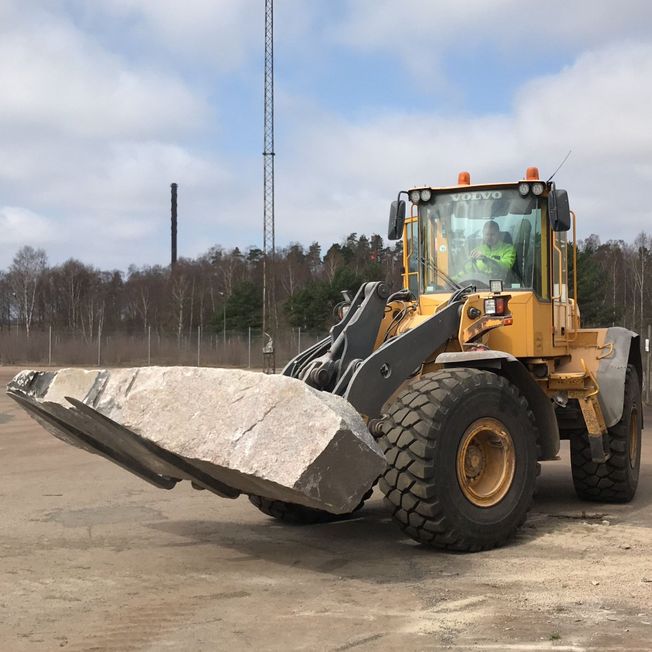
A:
(221, 288)
(613, 281)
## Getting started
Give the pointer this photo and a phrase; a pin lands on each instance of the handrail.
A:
(594, 380)
(576, 320)
(573, 312)
(558, 298)
(609, 353)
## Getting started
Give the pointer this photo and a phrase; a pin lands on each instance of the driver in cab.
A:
(493, 256)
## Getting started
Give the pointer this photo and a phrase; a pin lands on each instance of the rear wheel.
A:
(462, 459)
(300, 514)
(615, 480)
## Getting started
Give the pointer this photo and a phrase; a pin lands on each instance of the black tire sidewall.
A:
(498, 402)
(632, 402)
(622, 476)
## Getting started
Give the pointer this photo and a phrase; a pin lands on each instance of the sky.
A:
(104, 103)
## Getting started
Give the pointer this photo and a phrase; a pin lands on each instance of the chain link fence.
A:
(224, 349)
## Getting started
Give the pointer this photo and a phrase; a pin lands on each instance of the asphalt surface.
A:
(92, 558)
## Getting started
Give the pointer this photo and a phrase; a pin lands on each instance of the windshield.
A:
(477, 236)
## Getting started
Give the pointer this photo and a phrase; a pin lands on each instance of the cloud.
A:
(342, 175)
(61, 80)
(425, 35)
(92, 138)
(20, 226)
(225, 35)
(217, 33)
(95, 128)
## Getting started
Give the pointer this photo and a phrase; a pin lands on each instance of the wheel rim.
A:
(633, 438)
(486, 462)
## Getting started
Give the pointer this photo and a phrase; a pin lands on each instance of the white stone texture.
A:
(261, 434)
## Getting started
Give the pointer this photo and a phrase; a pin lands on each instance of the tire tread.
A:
(410, 435)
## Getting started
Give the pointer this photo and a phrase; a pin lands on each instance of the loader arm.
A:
(385, 370)
(346, 364)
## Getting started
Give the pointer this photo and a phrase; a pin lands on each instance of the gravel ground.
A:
(92, 558)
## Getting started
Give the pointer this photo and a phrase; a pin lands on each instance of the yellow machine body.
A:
(541, 329)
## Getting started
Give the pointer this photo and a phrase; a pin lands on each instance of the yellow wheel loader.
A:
(467, 379)
(479, 366)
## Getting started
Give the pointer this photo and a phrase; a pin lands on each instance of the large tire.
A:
(299, 514)
(462, 459)
(615, 480)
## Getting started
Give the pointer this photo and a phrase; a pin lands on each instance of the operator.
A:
(493, 256)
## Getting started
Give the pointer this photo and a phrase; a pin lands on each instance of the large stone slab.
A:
(229, 431)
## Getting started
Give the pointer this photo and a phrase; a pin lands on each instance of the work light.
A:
(496, 286)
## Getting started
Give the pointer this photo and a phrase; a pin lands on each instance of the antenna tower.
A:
(269, 248)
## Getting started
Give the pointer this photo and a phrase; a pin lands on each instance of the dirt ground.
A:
(92, 558)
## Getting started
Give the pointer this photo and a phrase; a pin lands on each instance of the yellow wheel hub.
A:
(486, 461)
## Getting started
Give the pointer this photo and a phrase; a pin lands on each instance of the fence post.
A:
(224, 326)
(149, 346)
(648, 346)
(50, 346)
(198, 345)
(249, 350)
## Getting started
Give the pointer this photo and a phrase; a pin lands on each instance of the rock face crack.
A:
(256, 423)
(131, 383)
(283, 441)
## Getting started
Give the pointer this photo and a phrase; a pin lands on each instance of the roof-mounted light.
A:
(426, 194)
(415, 195)
(537, 188)
(532, 174)
(464, 178)
(524, 188)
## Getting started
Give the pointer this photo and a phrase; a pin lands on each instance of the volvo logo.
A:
(474, 196)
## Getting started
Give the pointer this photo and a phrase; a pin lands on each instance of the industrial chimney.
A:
(173, 260)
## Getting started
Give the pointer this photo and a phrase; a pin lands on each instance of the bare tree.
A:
(25, 274)
(179, 290)
(639, 266)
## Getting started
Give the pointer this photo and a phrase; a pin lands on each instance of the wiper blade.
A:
(448, 279)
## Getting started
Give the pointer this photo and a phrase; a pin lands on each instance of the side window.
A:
(539, 261)
(412, 256)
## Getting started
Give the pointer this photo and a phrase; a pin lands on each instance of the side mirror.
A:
(396, 220)
(559, 210)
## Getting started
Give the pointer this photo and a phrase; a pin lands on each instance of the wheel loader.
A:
(467, 378)
(479, 366)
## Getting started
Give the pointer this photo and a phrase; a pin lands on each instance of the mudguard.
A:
(612, 368)
(510, 367)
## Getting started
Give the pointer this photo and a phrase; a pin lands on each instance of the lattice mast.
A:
(269, 246)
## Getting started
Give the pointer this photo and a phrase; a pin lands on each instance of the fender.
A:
(511, 368)
(612, 370)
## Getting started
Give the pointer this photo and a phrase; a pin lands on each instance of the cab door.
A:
(411, 255)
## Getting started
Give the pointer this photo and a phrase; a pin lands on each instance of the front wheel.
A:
(462, 459)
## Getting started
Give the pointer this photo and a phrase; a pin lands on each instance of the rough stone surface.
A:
(258, 434)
